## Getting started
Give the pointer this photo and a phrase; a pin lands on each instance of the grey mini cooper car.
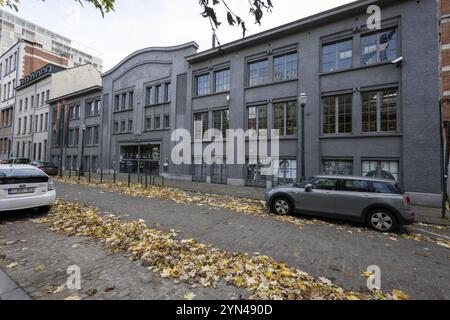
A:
(379, 203)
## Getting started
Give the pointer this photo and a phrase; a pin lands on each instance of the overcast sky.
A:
(137, 24)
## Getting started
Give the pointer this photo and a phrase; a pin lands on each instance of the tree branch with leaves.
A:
(257, 8)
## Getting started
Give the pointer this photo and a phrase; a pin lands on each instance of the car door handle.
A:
(368, 197)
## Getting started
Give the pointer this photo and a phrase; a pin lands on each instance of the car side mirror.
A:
(308, 188)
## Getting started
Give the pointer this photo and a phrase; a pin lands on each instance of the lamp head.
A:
(302, 99)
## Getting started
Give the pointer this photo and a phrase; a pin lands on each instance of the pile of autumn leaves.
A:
(195, 263)
(213, 201)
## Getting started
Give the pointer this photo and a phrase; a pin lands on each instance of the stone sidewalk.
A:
(9, 290)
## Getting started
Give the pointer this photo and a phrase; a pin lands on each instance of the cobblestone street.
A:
(37, 258)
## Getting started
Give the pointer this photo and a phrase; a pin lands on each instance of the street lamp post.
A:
(81, 171)
(303, 100)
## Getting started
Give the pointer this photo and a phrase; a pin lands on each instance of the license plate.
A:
(20, 190)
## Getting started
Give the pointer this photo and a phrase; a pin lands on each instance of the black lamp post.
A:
(302, 100)
(81, 171)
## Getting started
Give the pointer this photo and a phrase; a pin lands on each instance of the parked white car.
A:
(25, 187)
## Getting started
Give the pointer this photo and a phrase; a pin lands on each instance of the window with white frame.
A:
(381, 169)
(286, 67)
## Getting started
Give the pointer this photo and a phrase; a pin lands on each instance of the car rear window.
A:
(17, 176)
(13, 172)
(385, 187)
(22, 161)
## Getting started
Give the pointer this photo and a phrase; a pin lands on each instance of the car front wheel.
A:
(382, 220)
(282, 206)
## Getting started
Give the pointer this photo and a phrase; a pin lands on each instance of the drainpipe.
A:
(445, 130)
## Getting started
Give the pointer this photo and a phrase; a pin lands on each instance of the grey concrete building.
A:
(372, 109)
(142, 100)
(365, 115)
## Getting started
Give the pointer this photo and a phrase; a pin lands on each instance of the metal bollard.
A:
(89, 176)
(129, 179)
(114, 176)
(70, 173)
(101, 176)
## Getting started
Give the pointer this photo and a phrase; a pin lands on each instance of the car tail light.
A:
(51, 185)
(408, 200)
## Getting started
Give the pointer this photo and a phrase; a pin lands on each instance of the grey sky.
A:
(143, 23)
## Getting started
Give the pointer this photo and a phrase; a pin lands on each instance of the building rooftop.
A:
(338, 13)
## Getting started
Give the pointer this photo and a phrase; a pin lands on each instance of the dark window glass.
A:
(355, 186)
(324, 184)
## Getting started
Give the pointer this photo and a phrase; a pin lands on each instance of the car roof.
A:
(17, 166)
(355, 178)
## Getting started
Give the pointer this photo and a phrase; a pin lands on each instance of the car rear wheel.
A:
(382, 220)
(282, 206)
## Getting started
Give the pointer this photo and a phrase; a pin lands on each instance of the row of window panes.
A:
(10, 64)
(5, 145)
(74, 112)
(156, 125)
(284, 119)
(89, 163)
(40, 101)
(379, 113)
(370, 168)
(121, 127)
(375, 48)
(158, 94)
(221, 83)
(41, 124)
(8, 90)
(92, 136)
(221, 122)
(23, 149)
(92, 108)
(120, 101)
(6, 117)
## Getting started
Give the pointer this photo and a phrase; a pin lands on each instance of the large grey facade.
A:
(373, 99)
